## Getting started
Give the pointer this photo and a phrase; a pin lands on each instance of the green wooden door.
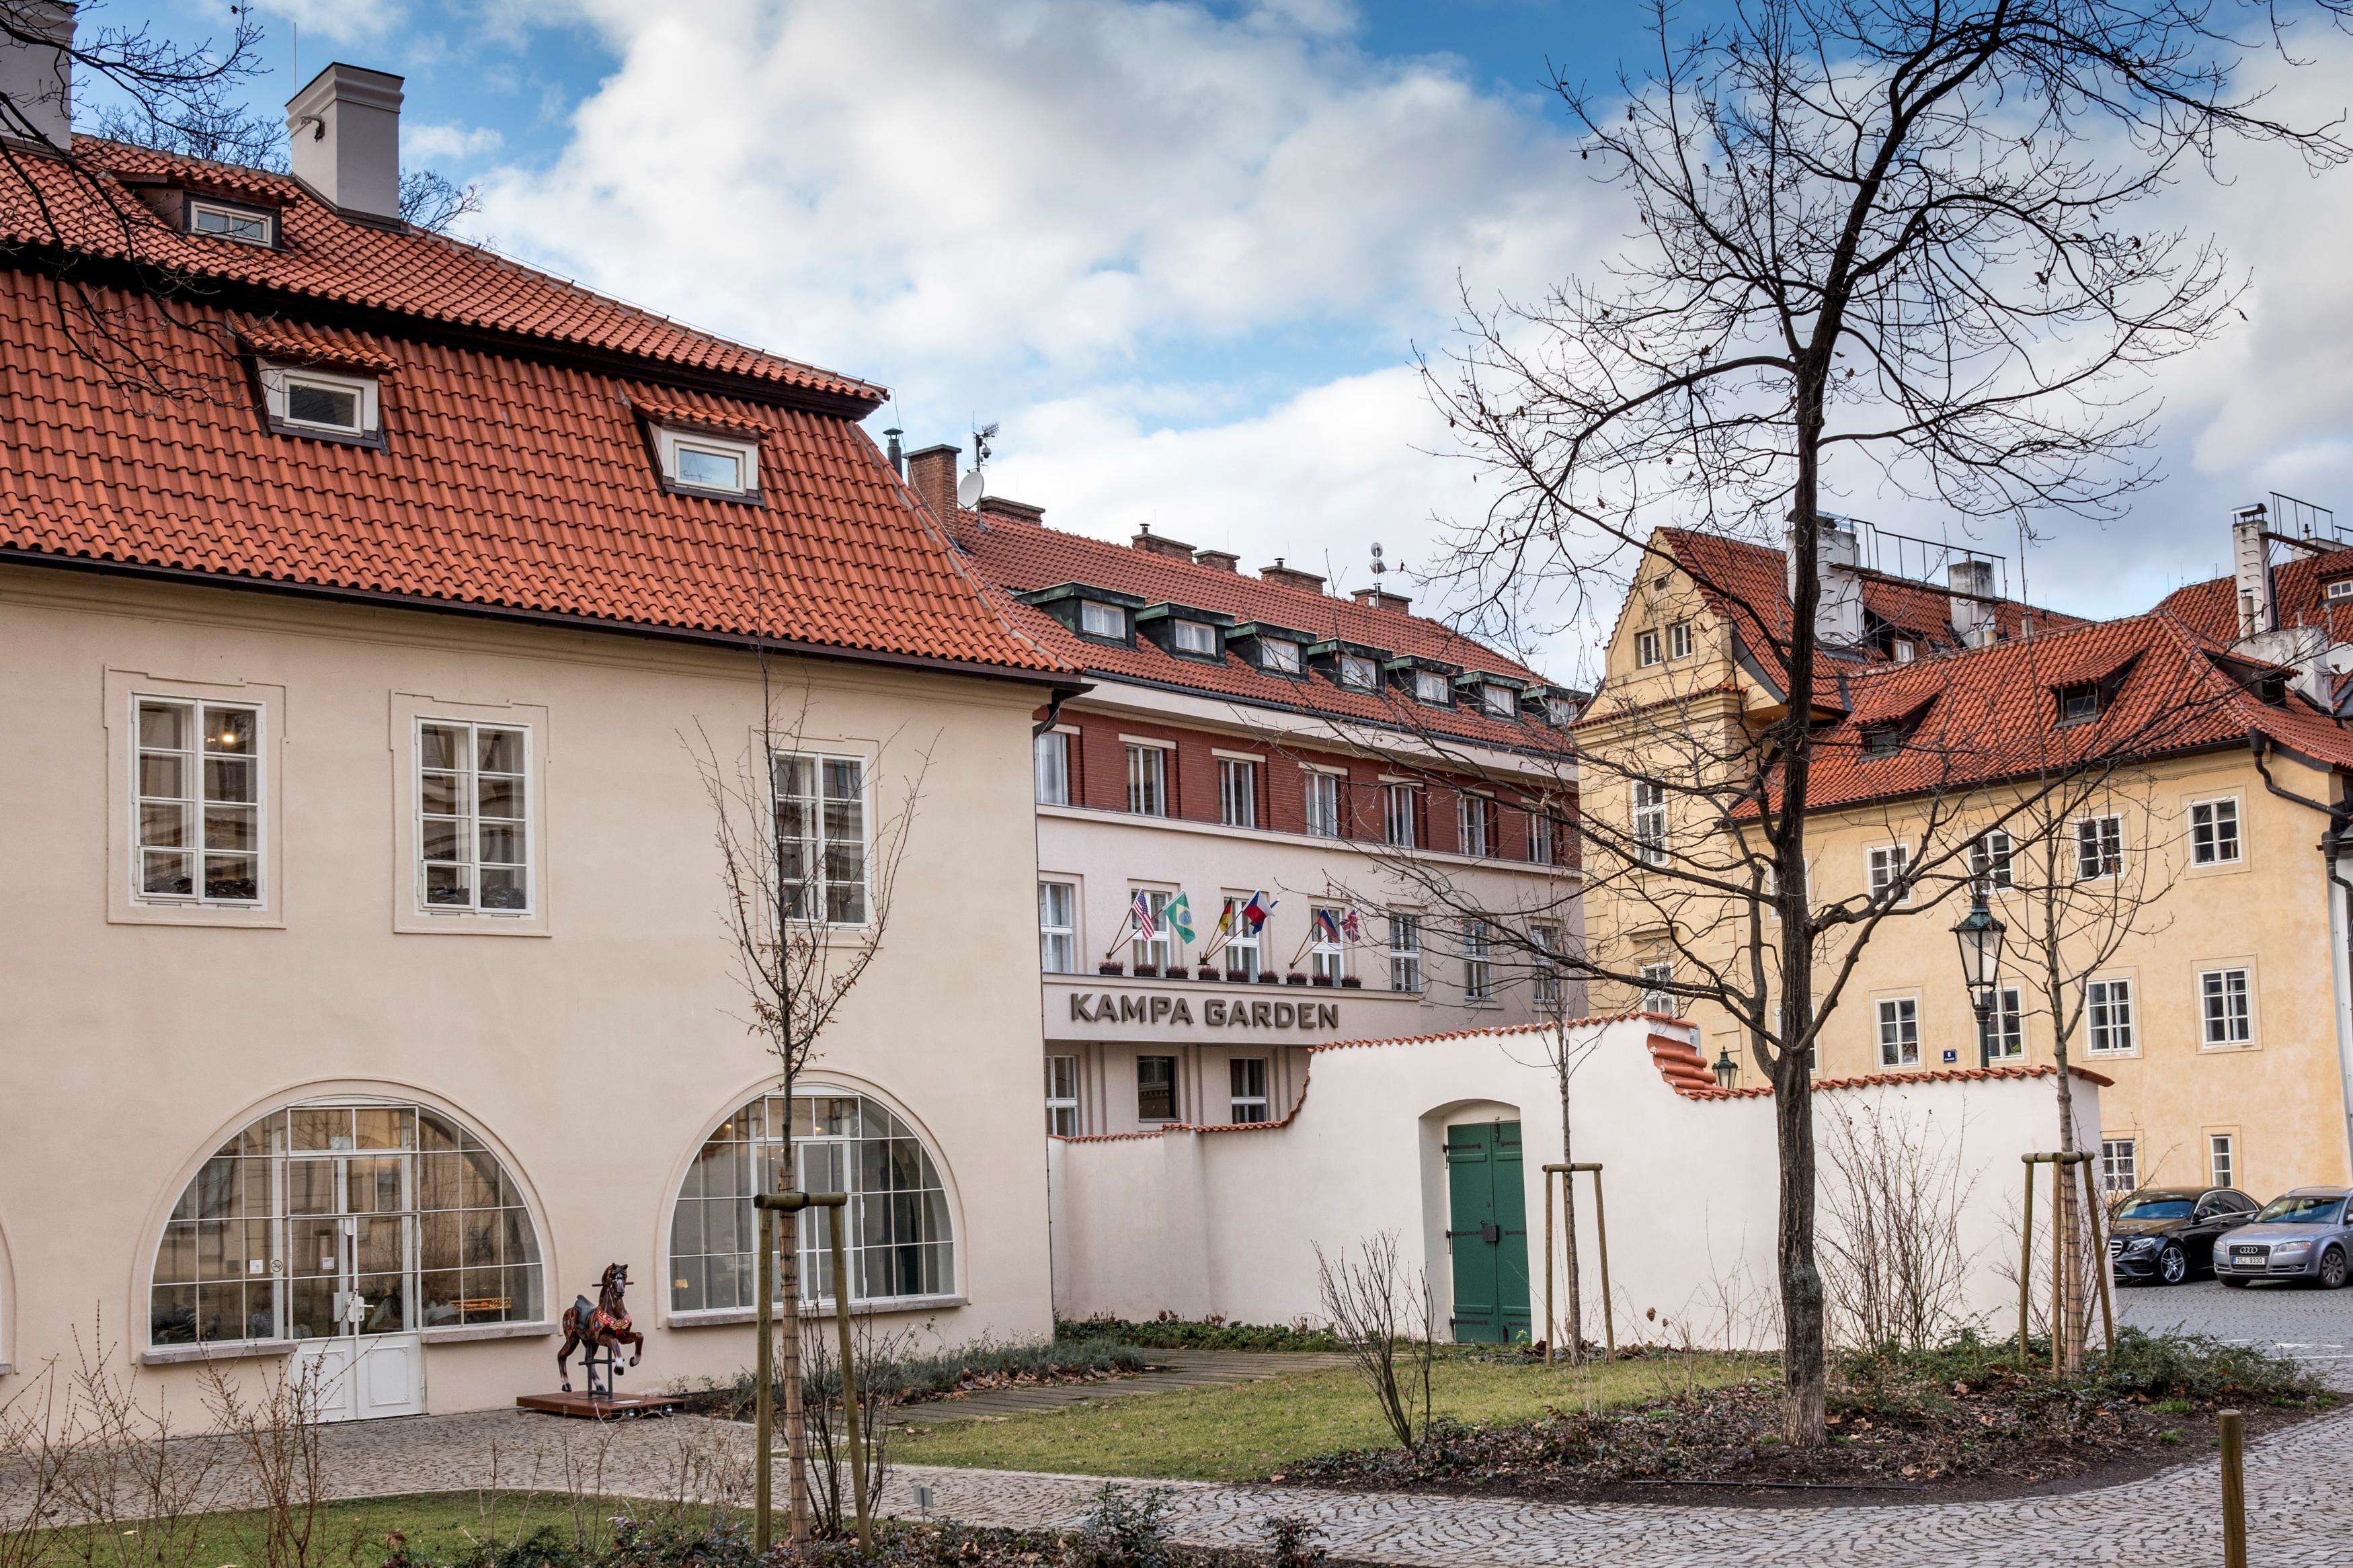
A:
(1487, 1230)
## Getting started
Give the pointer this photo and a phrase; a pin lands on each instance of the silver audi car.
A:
(2306, 1234)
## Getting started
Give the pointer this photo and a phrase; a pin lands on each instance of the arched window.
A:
(901, 1242)
(346, 1217)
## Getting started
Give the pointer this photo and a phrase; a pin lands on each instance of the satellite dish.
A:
(969, 489)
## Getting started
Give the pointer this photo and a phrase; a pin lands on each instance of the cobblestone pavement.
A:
(2315, 1326)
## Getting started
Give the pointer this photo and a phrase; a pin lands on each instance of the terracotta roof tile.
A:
(2298, 587)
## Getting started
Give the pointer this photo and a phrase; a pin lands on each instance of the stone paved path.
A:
(1172, 1370)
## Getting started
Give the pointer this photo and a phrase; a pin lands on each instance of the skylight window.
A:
(1280, 655)
(1197, 637)
(708, 465)
(1358, 673)
(303, 401)
(220, 221)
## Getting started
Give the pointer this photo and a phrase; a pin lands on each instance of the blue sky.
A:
(1184, 252)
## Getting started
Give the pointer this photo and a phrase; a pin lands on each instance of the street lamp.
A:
(1980, 935)
(1727, 1071)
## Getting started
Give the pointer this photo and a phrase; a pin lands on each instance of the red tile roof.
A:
(329, 261)
(1020, 557)
(505, 483)
(2211, 608)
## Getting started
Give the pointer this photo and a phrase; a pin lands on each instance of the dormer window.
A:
(1199, 638)
(1100, 620)
(1279, 654)
(2078, 702)
(1429, 686)
(219, 220)
(707, 465)
(1359, 673)
(303, 401)
(1500, 701)
(2340, 589)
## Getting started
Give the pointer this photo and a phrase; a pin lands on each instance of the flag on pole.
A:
(1328, 925)
(1254, 913)
(1178, 915)
(1351, 927)
(1142, 910)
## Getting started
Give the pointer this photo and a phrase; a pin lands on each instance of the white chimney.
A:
(1971, 603)
(1838, 612)
(37, 80)
(2250, 571)
(345, 135)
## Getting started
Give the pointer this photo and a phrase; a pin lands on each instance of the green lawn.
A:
(1247, 1431)
(438, 1525)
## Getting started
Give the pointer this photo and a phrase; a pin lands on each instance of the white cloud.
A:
(447, 144)
(339, 21)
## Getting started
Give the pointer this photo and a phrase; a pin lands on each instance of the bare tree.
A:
(809, 858)
(1897, 1271)
(1882, 241)
(1381, 1315)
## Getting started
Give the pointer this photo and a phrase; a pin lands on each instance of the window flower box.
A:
(1210, 972)
(1147, 972)
(1295, 978)
(1238, 977)
(1352, 982)
(1108, 968)
(1269, 977)
(1325, 980)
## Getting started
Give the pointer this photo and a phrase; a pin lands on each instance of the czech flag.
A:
(1254, 913)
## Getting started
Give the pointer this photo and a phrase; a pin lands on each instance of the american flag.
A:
(1145, 927)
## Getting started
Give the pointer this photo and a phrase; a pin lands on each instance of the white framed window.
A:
(2226, 1009)
(707, 464)
(1544, 839)
(1062, 1097)
(1237, 792)
(1160, 948)
(1650, 822)
(1679, 640)
(1990, 854)
(2340, 589)
(2119, 1166)
(219, 220)
(1098, 619)
(1327, 956)
(1245, 1086)
(1500, 701)
(1478, 965)
(1405, 952)
(1544, 979)
(1646, 649)
(1905, 652)
(1242, 943)
(1321, 803)
(1884, 866)
(822, 846)
(2214, 831)
(2222, 1159)
(1199, 638)
(1429, 686)
(311, 402)
(196, 794)
(1656, 977)
(1899, 1032)
(1402, 815)
(1358, 673)
(2003, 1033)
(1051, 755)
(473, 816)
(2108, 1017)
(2099, 848)
(1280, 655)
(1471, 824)
(1058, 928)
(1155, 1089)
(1148, 781)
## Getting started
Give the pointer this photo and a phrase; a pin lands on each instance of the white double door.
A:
(351, 1287)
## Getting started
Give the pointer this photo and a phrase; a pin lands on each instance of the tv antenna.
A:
(974, 485)
(1379, 565)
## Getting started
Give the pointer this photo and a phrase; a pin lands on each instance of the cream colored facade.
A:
(2278, 1099)
(593, 1044)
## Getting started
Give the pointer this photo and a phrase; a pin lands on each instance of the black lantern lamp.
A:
(1980, 935)
(1727, 1071)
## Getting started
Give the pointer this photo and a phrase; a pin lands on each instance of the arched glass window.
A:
(899, 1239)
(345, 1218)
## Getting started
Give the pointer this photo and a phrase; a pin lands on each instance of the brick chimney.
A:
(1290, 576)
(997, 508)
(1217, 560)
(39, 80)
(1153, 543)
(933, 473)
(1378, 598)
(343, 139)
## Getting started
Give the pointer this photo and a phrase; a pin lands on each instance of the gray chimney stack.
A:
(39, 80)
(1838, 612)
(1971, 583)
(343, 133)
(2250, 571)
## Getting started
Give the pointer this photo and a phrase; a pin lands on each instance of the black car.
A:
(2167, 1234)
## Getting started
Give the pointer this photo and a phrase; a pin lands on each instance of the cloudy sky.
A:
(1183, 252)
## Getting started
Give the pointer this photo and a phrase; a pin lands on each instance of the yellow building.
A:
(2155, 808)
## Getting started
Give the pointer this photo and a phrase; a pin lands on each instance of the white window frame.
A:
(1238, 791)
(1162, 948)
(1989, 861)
(1470, 836)
(1061, 1097)
(1899, 1031)
(1655, 1000)
(1544, 971)
(820, 883)
(1405, 951)
(1195, 639)
(1646, 650)
(1478, 963)
(1648, 822)
(1058, 928)
(1883, 868)
(1320, 802)
(278, 380)
(2099, 848)
(1147, 780)
(1358, 673)
(1400, 816)
(2002, 1037)
(2225, 1026)
(2222, 1159)
(470, 817)
(1325, 955)
(1049, 761)
(1430, 685)
(1678, 639)
(196, 802)
(1281, 656)
(2342, 588)
(670, 442)
(1098, 619)
(1245, 1107)
(200, 207)
(1500, 701)
(2109, 1027)
(2220, 829)
(1243, 947)
(1543, 842)
(2119, 1166)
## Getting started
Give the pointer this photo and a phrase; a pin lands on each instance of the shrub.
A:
(1180, 1334)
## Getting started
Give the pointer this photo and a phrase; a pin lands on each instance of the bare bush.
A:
(830, 1488)
(278, 1433)
(1896, 1266)
(1378, 1316)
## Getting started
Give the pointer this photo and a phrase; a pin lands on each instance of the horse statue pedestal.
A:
(599, 1332)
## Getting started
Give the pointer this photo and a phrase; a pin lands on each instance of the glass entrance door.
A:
(351, 1251)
